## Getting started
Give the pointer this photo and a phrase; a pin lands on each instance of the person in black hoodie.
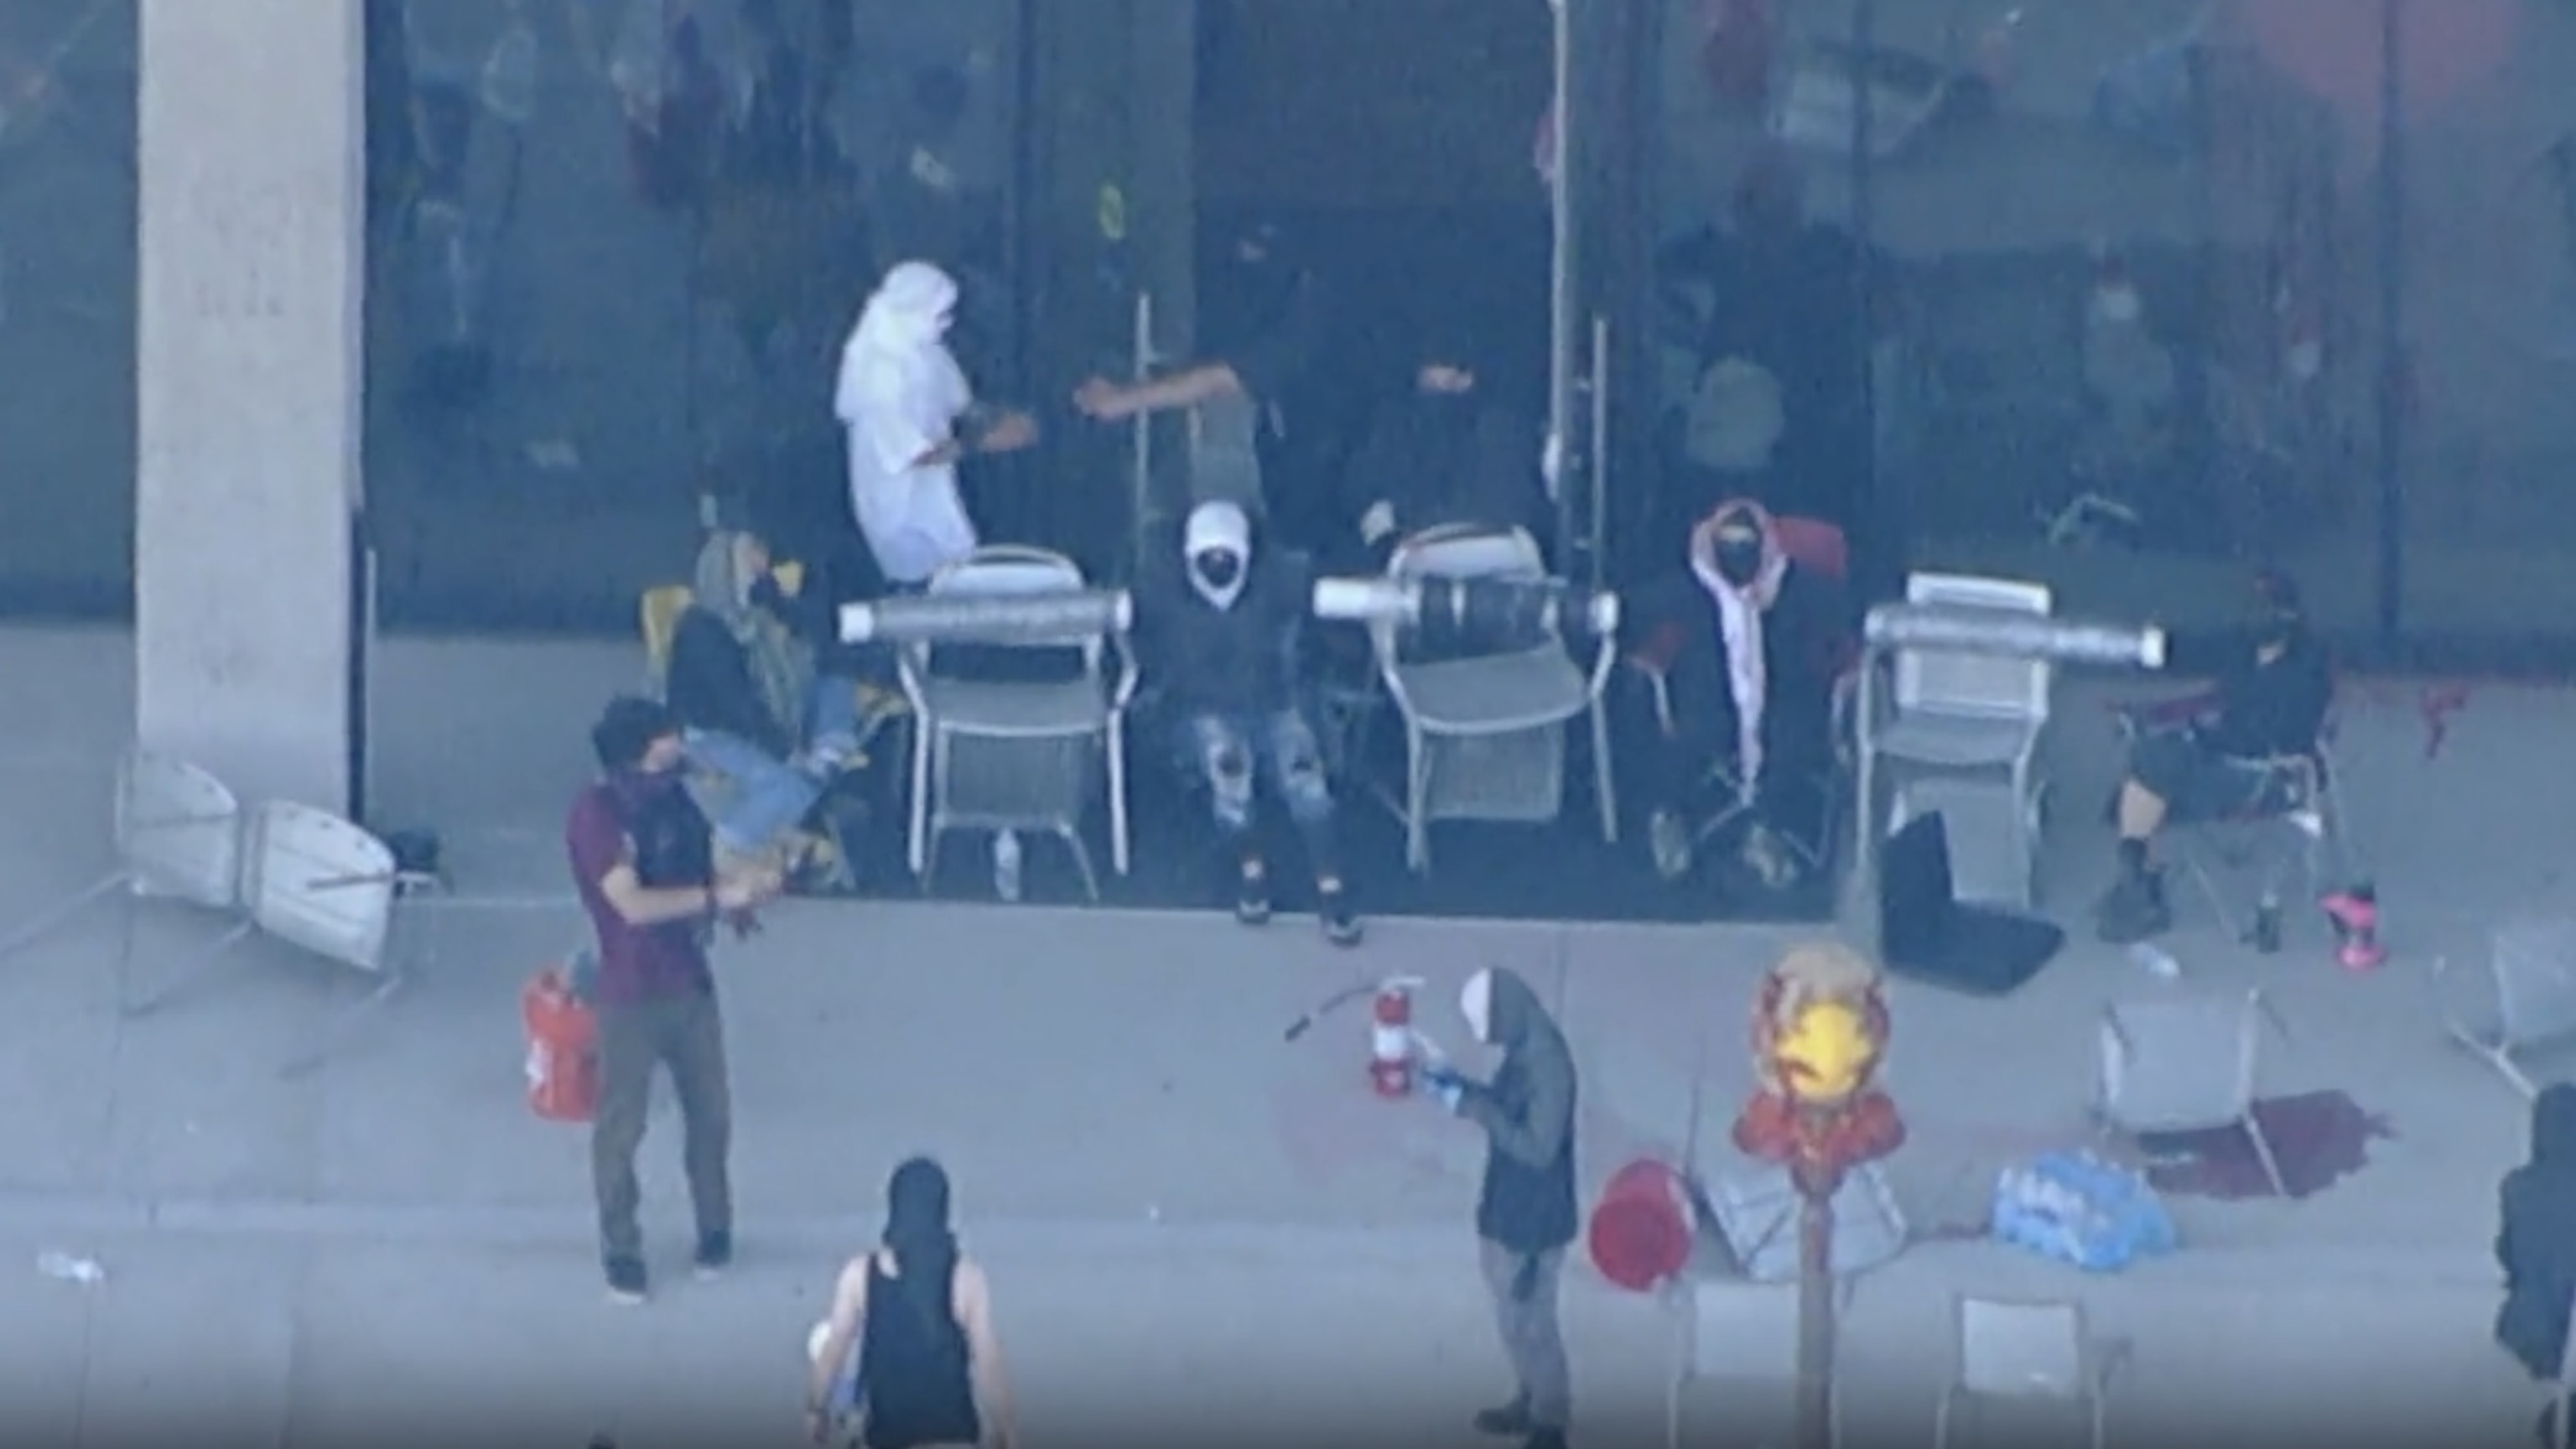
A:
(1748, 658)
(1451, 451)
(2536, 1242)
(1219, 624)
(1525, 1213)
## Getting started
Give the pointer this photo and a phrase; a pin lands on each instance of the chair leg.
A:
(2101, 1424)
(1942, 1413)
(189, 972)
(1604, 780)
(1072, 839)
(59, 916)
(2263, 1153)
(916, 837)
(1116, 744)
(389, 986)
(1417, 789)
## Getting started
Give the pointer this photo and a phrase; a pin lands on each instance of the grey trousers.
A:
(1524, 1290)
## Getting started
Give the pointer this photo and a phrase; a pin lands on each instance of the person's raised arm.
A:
(984, 1357)
(849, 1310)
(1109, 402)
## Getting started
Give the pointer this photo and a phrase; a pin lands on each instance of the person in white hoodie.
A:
(910, 417)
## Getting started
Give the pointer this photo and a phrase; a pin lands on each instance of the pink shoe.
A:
(2355, 917)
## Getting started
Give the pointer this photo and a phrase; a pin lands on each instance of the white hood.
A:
(904, 326)
(1213, 526)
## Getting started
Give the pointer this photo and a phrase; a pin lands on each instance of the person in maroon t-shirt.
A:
(643, 860)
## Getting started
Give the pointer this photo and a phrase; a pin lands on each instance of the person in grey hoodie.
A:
(1525, 1214)
(2536, 1242)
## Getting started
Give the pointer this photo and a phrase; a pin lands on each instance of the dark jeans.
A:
(685, 1033)
(2199, 784)
(1693, 771)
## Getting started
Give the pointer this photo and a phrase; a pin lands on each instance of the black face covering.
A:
(1218, 569)
(1739, 558)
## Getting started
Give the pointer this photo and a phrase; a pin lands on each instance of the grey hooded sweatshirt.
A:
(2536, 1244)
(1527, 1111)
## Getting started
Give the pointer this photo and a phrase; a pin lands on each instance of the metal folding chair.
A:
(321, 884)
(2531, 1006)
(178, 837)
(1962, 716)
(2187, 1064)
(1009, 753)
(2025, 1353)
(1484, 732)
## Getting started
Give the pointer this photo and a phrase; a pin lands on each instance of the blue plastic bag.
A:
(2079, 1208)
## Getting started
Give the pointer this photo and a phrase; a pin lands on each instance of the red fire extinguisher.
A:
(1392, 1044)
(563, 1049)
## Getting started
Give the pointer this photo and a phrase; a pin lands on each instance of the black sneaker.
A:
(1333, 911)
(1252, 895)
(1545, 1439)
(2133, 909)
(715, 1253)
(1511, 1421)
(627, 1285)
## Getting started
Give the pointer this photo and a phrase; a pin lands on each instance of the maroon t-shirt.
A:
(636, 963)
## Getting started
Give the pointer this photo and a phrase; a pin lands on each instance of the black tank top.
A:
(918, 1389)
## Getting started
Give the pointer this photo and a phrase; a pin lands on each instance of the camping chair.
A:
(1018, 754)
(2531, 970)
(1818, 548)
(1484, 732)
(1735, 1331)
(659, 613)
(2026, 1353)
(2186, 1064)
(321, 884)
(2290, 834)
(1962, 716)
(178, 836)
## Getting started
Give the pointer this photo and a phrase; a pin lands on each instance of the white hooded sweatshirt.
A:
(899, 397)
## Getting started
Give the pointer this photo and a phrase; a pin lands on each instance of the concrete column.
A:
(251, 209)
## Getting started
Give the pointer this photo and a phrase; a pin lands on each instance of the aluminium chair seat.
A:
(1495, 694)
(1954, 741)
(1012, 710)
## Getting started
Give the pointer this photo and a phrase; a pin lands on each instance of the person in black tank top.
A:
(920, 1317)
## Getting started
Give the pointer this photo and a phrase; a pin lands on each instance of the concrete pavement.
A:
(1195, 1228)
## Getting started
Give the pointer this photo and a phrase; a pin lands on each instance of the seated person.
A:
(1218, 625)
(752, 705)
(1753, 661)
(1449, 451)
(2270, 705)
(2536, 1203)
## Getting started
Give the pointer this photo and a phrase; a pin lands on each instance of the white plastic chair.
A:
(1733, 1331)
(1964, 714)
(2531, 985)
(2186, 1064)
(178, 837)
(1484, 735)
(2028, 1352)
(999, 754)
(325, 886)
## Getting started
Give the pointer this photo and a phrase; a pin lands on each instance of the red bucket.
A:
(1643, 1229)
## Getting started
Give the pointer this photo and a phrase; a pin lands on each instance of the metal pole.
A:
(1140, 503)
(1816, 1327)
(1886, 538)
(2392, 323)
(1563, 319)
(1598, 544)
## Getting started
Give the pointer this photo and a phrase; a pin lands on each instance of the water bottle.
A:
(69, 1269)
(1006, 865)
(2156, 961)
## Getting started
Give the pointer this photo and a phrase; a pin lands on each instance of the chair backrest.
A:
(2022, 1350)
(2181, 1064)
(2535, 981)
(1815, 545)
(1002, 571)
(179, 830)
(659, 614)
(1460, 551)
(1742, 1330)
(1982, 686)
(322, 883)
